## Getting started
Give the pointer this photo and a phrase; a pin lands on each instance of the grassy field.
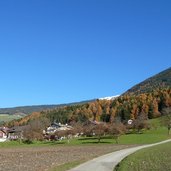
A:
(154, 158)
(148, 137)
(7, 118)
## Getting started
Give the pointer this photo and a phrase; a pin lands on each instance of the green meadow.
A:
(154, 158)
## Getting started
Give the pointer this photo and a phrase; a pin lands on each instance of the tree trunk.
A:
(168, 131)
(99, 138)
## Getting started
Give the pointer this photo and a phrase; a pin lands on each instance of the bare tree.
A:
(68, 134)
(34, 130)
(88, 130)
(77, 128)
(166, 119)
(99, 130)
(140, 123)
(116, 130)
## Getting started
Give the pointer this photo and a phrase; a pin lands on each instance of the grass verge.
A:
(154, 158)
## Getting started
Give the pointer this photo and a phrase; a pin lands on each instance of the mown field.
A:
(155, 158)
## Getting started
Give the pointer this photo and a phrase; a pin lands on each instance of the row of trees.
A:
(34, 130)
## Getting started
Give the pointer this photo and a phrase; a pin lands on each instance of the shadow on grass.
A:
(94, 138)
(87, 138)
(53, 142)
(96, 142)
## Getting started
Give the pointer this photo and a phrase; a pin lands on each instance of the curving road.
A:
(109, 161)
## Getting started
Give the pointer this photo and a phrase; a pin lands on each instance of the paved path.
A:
(109, 161)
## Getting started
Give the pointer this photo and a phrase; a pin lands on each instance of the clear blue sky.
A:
(61, 51)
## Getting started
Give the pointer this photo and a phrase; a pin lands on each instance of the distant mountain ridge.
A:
(25, 110)
(160, 80)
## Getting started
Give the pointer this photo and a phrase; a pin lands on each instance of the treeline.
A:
(163, 79)
(126, 107)
(148, 105)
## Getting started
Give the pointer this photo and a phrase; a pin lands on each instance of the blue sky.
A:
(63, 51)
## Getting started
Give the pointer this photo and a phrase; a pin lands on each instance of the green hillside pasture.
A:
(148, 137)
(154, 158)
(7, 118)
(157, 133)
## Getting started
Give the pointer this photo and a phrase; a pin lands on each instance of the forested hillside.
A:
(162, 80)
(148, 105)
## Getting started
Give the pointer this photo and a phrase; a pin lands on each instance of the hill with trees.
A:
(162, 80)
(146, 105)
(149, 101)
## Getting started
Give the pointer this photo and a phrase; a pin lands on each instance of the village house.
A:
(49, 133)
(57, 127)
(3, 134)
(16, 132)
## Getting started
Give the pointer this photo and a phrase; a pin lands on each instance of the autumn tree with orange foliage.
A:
(126, 107)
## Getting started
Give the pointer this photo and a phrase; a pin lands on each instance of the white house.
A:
(57, 127)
